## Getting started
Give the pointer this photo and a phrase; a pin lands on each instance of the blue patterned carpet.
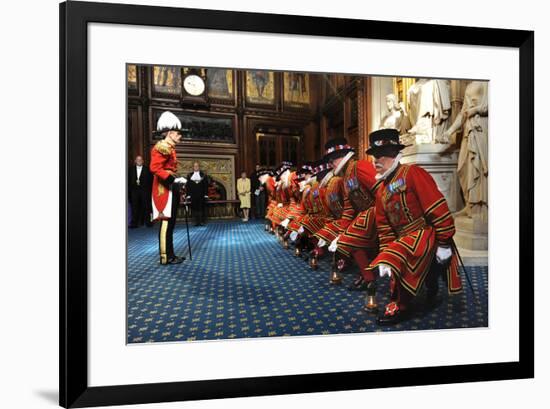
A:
(242, 283)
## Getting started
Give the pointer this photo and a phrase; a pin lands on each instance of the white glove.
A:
(279, 205)
(334, 245)
(443, 254)
(301, 230)
(294, 235)
(188, 197)
(321, 243)
(206, 197)
(285, 222)
(180, 180)
(384, 270)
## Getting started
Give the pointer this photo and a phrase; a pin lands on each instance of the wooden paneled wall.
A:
(337, 108)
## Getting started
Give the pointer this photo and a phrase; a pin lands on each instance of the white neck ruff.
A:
(285, 178)
(325, 180)
(343, 162)
(391, 168)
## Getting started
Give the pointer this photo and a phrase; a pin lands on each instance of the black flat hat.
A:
(262, 172)
(384, 140)
(307, 167)
(337, 148)
(282, 168)
(321, 168)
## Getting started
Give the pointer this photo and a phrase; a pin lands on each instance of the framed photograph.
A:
(266, 214)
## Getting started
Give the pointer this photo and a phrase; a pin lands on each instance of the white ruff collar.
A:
(285, 178)
(343, 163)
(196, 177)
(325, 180)
(391, 169)
(311, 180)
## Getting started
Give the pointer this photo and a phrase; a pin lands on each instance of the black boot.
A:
(432, 283)
(358, 284)
(175, 260)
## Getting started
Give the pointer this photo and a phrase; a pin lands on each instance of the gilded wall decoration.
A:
(131, 75)
(260, 87)
(219, 168)
(220, 83)
(167, 79)
(296, 89)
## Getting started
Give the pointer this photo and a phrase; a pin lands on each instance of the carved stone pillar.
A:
(363, 116)
(440, 160)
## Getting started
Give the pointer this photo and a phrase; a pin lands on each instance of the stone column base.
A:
(470, 234)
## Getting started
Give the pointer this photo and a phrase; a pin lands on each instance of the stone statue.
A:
(397, 117)
(429, 110)
(472, 160)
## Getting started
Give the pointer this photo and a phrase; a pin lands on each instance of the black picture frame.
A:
(73, 257)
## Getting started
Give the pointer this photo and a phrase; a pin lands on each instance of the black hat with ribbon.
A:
(282, 168)
(321, 168)
(307, 167)
(337, 148)
(385, 142)
(265, 171)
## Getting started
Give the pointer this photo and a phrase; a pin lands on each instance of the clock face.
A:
(193, 85)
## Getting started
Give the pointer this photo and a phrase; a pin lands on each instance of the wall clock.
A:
(194, 85)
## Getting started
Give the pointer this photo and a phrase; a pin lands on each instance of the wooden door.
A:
(273, 149)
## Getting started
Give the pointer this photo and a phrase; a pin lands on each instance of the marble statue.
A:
(397, 117)
(473, 157)
(429, 110)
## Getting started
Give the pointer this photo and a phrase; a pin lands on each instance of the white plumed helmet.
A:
(168, 122)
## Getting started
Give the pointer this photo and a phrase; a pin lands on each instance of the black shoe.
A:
(432, 300)
(391, 318)
(175, 260)
(358, 285)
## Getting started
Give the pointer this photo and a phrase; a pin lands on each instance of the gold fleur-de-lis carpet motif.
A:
(241, 283)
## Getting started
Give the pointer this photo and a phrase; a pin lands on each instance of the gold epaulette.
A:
(164, 147)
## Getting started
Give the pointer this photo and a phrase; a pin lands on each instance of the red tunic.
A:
(282, 195)
(339, 226)
(164, 164)
(270, 190)
(319, 214)
(304, 208)
(334, 187)
(412, 219)
(361, 233)
(295, 209)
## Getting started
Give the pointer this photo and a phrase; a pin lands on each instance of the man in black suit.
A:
(197, 191)
(259, 194)
(139, 193)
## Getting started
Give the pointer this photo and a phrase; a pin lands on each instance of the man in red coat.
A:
(348, 235)
(415, 228)
(166, 184)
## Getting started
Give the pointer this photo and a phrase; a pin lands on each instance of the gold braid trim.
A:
(164, 147)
